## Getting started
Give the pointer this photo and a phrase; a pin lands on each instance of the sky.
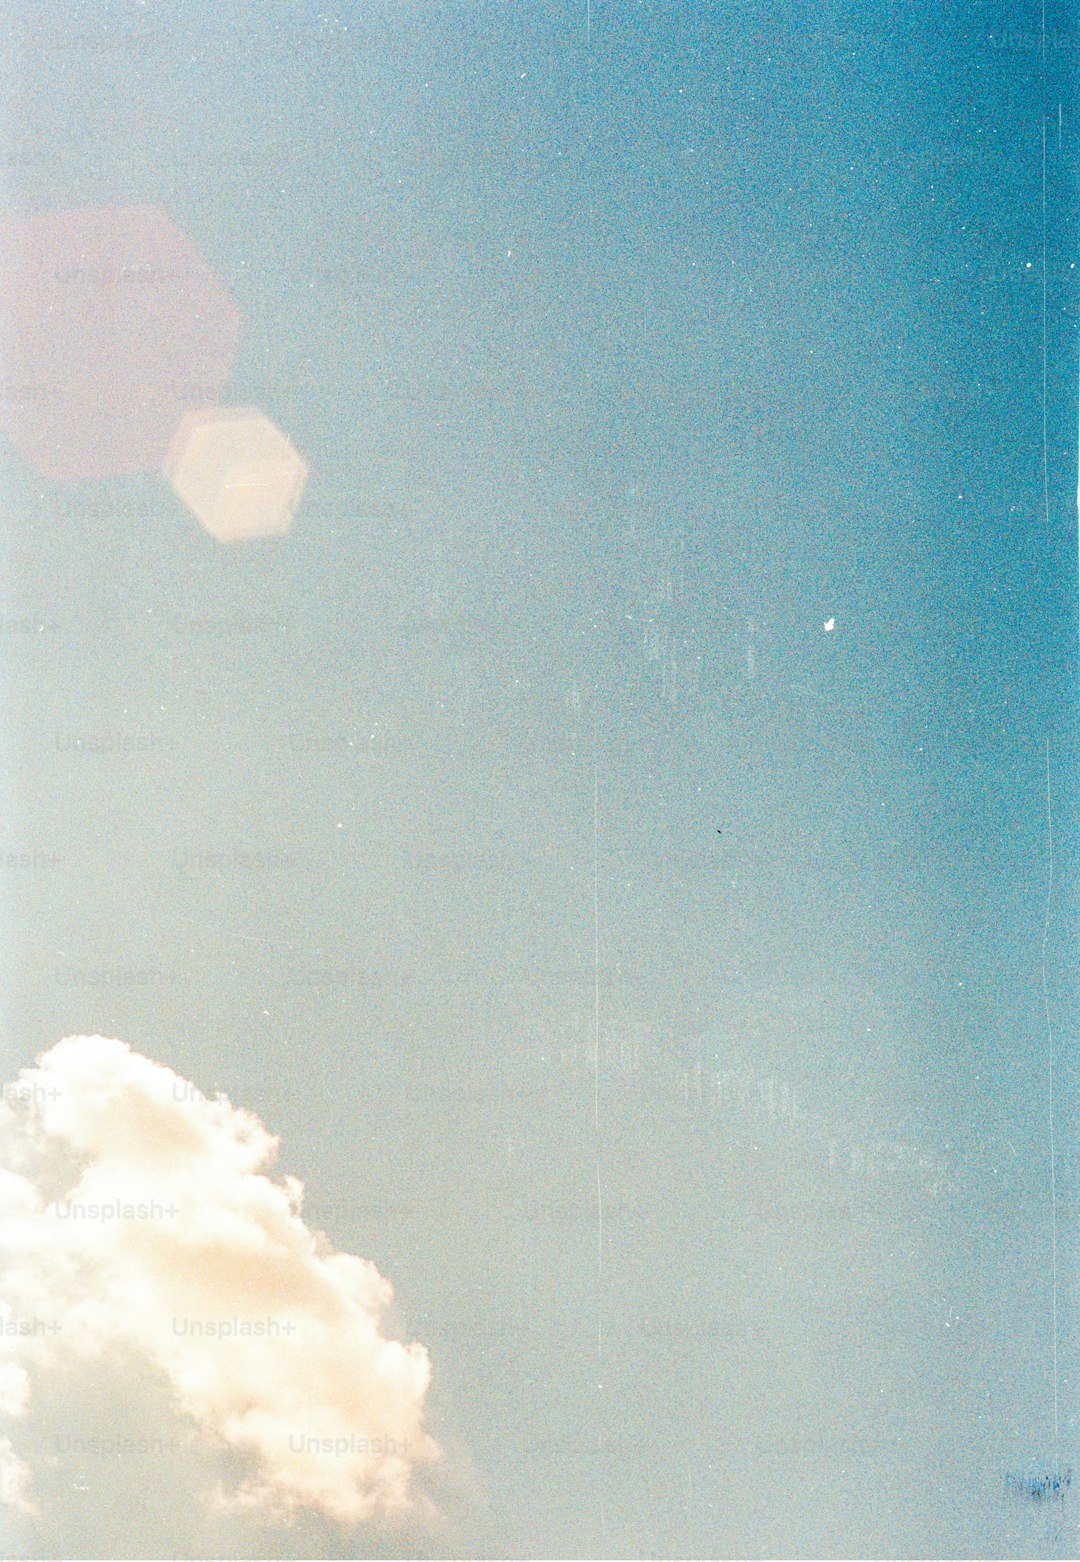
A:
(579, 927)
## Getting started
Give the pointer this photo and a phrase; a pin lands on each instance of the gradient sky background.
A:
(623, 359)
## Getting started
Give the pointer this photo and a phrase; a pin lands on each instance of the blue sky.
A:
(623, 362)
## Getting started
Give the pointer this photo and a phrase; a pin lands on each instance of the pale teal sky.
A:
(620, 369)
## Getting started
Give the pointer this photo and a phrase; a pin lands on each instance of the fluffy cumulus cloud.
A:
(139, 1216)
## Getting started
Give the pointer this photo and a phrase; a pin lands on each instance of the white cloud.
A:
(15, 1481)
(139, 1215)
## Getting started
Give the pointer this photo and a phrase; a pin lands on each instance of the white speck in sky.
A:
(830, 625)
